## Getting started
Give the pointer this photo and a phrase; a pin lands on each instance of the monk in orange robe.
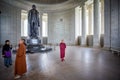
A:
(62, 50)
(20, 62)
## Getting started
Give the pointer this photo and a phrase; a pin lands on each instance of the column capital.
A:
(82, 4)
(94, 1)
(101, 0)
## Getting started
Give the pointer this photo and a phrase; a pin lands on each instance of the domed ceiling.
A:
(46, 5)
(47, 1)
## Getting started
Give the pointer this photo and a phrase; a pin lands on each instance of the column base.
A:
(83, 45)
(96, 46)
(107, 48)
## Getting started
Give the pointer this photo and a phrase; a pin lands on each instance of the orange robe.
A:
(20, 62)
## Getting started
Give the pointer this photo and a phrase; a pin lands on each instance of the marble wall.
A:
(10, 23)
(112, 24)
(61, 25)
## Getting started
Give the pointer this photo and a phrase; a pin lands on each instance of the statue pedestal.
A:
(33, 41)
(34, 45)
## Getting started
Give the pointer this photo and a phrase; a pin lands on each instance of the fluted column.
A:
(96, 37)
(0, 29)
(40, 28)
(83, 41)
(102, 16)
(90, 22)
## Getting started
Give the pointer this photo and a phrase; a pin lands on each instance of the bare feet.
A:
(62, 59)
(17, 77)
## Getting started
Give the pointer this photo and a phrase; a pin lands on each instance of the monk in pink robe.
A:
(62, 50)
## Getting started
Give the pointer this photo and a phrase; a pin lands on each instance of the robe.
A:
(20, 62)
(62, 50)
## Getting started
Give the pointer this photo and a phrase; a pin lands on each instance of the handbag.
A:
(8, 53)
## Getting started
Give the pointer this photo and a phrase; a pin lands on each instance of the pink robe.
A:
(62, 50)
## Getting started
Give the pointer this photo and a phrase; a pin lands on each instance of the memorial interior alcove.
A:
(43, 29)
(78, 22)
(90, 29)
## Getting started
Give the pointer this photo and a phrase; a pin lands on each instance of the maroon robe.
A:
(62, 50)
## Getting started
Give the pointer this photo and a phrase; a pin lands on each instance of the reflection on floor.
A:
(80, 64)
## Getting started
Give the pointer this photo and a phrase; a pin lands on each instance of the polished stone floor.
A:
(80, 64)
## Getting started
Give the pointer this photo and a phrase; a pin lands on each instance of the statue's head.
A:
(33, 6)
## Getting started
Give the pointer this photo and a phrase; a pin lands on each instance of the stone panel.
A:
(10, 23)
(61, 25)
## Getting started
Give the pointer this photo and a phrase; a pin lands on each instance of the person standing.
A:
(6, 53)
(20, 62)
(62, 50)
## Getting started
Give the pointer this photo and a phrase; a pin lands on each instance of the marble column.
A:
(40, 28)
(102, 16)
(107, 24)
(90, 25)
(22, 25)
(90, 22)
(83, 41)
(119, 22)
(96, 37)
(112, 24)
(114, 5)
(0, 29)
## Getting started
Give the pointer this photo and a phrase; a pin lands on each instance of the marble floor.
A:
(80, 64)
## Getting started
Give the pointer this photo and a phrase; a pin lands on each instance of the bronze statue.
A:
(33, 22)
